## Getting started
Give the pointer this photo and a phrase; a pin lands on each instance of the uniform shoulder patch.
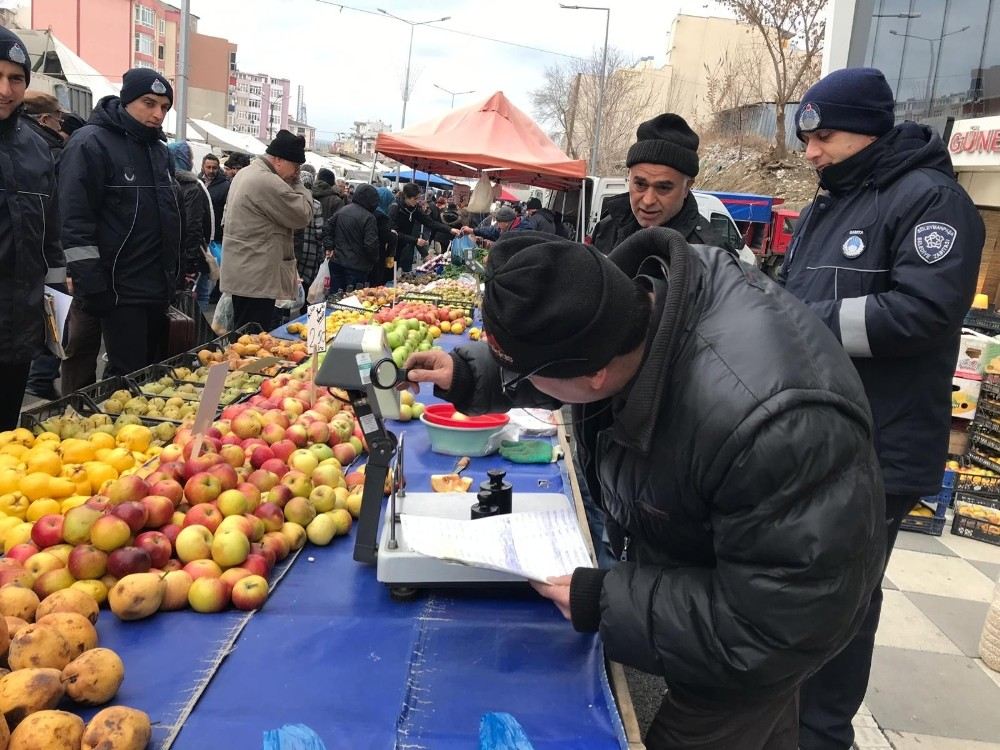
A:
(933, 240)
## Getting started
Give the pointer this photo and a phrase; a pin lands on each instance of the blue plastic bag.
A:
(458, 247)
(215, 248)
(292, 737)
(501, 731)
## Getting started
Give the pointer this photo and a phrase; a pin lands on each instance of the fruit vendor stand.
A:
(332, 650)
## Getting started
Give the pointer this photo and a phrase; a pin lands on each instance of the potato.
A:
(17, 601)
(94, 677)
(29, 690)
(78, 631)
(39, 646)
(51, 730)
(118, 728)
(68, 600)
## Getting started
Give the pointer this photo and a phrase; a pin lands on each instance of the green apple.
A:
(321, 530)
(230, 547)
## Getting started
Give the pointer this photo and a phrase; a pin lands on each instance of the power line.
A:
(458, 31)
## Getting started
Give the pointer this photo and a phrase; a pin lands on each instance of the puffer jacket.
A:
(121, 228)
(888, 257)
(258, 252)
(329, 199)
(30, 254)
(352, 232)
(619, 224)
(739, 465)
(543, 220)
(198, 222)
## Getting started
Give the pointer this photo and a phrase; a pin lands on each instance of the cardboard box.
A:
(975, 528)
(989, 357)
(958, 442)
(964, 396)
(971, 361)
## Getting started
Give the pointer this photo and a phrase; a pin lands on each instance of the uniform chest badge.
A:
(933, 240)
(854, 245)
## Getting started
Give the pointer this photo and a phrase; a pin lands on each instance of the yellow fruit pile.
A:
(52, 650)
(43, 474)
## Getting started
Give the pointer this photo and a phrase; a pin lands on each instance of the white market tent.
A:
(228, 140)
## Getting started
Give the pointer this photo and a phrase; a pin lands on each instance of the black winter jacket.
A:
(544, 220)
(739, 464)
(30, 254)
(352, 232)
(218, 191)
(408, 223)
(888, 259)
(619, 224)
(121, 227)
(329, 199)
(198, 221)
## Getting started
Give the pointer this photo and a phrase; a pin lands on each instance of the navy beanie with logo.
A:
(855, 100)
(139, 81)
(12, 49)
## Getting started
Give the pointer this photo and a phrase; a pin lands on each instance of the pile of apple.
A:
(423, 312)
(211, 521)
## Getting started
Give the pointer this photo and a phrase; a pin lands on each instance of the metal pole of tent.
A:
(371, 177)
(580, 217)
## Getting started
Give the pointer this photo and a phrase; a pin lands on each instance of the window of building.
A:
(144, 44)
(957, 83)
(232, 61)
(144, 64)
(159, 51)
(144, 16)
(161, 25)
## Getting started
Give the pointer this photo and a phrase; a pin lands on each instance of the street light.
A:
(409, 55)
(930, 65)
(453, 93)
(595, 148)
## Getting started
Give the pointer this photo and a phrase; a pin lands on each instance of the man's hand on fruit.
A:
(467, 230)
(557, 589)
(434, 366)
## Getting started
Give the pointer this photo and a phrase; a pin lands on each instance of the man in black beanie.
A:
(742, 487)
(887, 256)
(662, 165)
(121, 230)
(30, 255)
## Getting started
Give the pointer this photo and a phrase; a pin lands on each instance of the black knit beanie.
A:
(667, 140)
(553, 301)
(139, 81)
(12, 49)
(288, 146)
(855, 100)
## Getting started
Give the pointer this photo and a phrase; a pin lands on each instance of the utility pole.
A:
(182, 72)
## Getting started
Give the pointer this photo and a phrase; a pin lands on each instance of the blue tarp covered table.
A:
(332, 650)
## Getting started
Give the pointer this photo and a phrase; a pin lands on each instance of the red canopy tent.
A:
(506, 195)
(492, 136)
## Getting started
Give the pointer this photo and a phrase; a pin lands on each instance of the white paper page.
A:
(61, 302)
(536, 545)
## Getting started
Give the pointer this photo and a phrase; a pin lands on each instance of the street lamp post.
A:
(930, 64)
(453, 93)
(598, 116)
(413, 25)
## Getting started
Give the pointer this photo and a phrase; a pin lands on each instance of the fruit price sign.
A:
(316, 328)
(210, 397)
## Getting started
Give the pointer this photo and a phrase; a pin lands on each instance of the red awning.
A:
(506, 195)
(493, 137)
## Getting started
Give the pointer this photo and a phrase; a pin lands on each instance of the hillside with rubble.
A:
(752, 169)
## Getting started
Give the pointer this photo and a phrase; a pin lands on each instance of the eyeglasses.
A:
(509, 385)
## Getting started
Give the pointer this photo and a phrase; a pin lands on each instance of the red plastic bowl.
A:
(442, 414)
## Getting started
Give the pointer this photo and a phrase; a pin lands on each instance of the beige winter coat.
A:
(262, 213)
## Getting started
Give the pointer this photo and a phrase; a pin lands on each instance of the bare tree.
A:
(792, 31)
(735, 81)
(567, 102)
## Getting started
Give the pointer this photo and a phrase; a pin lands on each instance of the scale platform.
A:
(403, 568)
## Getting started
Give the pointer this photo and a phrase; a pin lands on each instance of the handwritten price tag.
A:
(316, 328)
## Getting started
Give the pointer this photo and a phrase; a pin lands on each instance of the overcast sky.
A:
(352, 63)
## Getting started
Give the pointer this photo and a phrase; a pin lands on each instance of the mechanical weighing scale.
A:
(360, 362)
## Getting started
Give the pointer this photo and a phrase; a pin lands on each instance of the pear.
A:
(39, 646)
(68, 600)
(52, 730)
(118, 728)
(79, 632)
(17, 601)
(137, 595)
(94, 677)
(25, 691)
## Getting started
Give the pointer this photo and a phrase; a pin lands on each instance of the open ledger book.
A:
(533, 545)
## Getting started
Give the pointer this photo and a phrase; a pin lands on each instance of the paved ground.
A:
(929, 690)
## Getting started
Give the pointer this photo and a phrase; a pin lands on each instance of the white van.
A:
(599, 189)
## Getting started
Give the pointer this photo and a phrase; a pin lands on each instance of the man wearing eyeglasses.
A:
(730, 441)
(662, 165)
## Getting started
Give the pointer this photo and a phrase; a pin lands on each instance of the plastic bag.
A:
(222, 320)
(459, 245)
(292, 737)
(482, 196)
(293, 304)
(215, 248)
(501, 731)
(213, 264)
(320, 287)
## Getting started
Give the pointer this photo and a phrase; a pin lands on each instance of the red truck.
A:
(767, 228)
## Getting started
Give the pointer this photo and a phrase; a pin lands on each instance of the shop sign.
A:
(975, 143)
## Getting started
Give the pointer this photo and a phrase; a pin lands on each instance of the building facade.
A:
(361, 140)
(305, 130)
(259, 105)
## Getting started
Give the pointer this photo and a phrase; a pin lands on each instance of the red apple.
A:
(226, 475)
(193, 543)
(208, 595)
(170, 488)
(276, 541)
(16, 576)
(257, 527)
(319, 431)
(232, 575)
(257, 564)
(176, 596)
(172, 564)
(202, 488)
(170, 531)
(246, 425)
(171, 454)
(252, 493)
(157, 545)
(275, 466)
(203, 514)
(250, 593)
(271, 515)
(283, 449)
(99, 502)
(262, 479)
(127, 488)
(203, 569)
(159, 510)
(259, 455)
(204, 462)
(48, 530)
(297, 435)
(345, 453)
(52, 581)
(278, 495)
(272, 433)
(132, 512)
(128, 560)
(87, 562)
(21, 552)
(233, 455)
(240, 523)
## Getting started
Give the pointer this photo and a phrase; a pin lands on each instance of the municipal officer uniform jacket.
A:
(30, 254)
(122, 224)
(739, 465)
(888, 258)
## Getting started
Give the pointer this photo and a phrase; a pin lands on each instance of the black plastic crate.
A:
(982, 320)
(980, 485)
(142, 379)
(933, 525)
(986, 501)
(983, 460)
(101, 391)
(77, 403)
(987, 408)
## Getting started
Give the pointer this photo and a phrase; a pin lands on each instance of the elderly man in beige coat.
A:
(266, 204)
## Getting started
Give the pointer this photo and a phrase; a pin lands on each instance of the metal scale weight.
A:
(359, 362)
